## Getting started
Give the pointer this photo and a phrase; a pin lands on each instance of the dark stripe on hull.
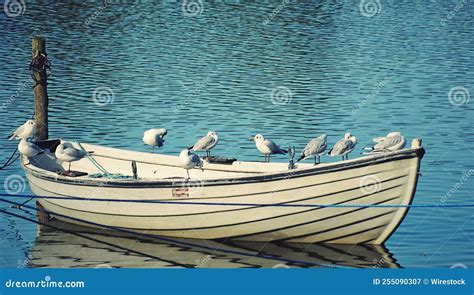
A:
(314, 221)
(337, 227)
(213, 212)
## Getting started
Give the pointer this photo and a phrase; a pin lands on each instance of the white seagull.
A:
(315, 148)
(24, 131)
(344, 146)
(29, 149)
(154, 137)
(65, 152)
(267, 147)
(394, 141)
(206, 143)
(189, 160)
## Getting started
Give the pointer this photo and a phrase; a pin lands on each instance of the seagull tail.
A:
(282, 151)
(191, 147)
(301, 158)
(11, 136)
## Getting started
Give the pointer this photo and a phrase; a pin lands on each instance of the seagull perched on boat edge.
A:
(344, 146)
(315, 147)
(189, 160)
(206, 143)
(154, 137)
(24, 131)
(393, 141)
(267, 147)
(29, 149)
(65, 152)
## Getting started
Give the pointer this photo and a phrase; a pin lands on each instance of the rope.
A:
(10, 161)
(182, 243)
(434, 205)
(40, 66)
(93, 161)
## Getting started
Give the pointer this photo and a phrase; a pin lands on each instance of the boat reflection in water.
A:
(65, 245)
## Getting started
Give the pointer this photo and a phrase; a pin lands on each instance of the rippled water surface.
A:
(331, 67)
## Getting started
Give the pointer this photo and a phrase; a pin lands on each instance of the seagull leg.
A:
(315, 160)
(69, 169)
(187, 171)
(268, 158)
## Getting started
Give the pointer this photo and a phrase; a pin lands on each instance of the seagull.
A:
(154, 137)
(29, 149)
(24, 131)
(344, 146)
(65, 152)
(394, 141)
(314, 148)
(189, 160)
(267, 147)
(206, 143)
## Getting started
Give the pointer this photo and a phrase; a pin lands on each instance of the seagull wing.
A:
(341, 147)
(379, 139)
(17, 131)
(274, 147)
(74, 153)
(204, 143)
(387, 143)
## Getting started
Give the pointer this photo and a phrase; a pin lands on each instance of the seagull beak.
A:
(251, 139)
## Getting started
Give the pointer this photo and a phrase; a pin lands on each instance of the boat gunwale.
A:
(259, 177)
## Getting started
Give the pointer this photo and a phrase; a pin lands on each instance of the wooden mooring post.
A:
(38, 68)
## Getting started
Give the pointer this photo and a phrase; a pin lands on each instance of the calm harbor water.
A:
(288, 70)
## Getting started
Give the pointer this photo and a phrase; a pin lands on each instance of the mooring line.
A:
(184, 202)
(189, 244)
(93, 239)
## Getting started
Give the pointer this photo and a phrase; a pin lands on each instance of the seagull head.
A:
(393, 134)
(30, 122)
(347, 135)
(212, 134)
(257, 138)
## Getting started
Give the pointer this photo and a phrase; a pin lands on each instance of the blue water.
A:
(331, 66)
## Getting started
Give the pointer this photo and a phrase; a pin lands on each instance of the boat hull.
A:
(254, 208)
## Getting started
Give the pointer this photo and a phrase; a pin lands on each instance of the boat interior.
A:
(132, 165)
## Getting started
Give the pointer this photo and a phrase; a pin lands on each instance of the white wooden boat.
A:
(225, 200)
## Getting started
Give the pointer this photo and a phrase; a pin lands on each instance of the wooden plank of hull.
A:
(397, 182)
